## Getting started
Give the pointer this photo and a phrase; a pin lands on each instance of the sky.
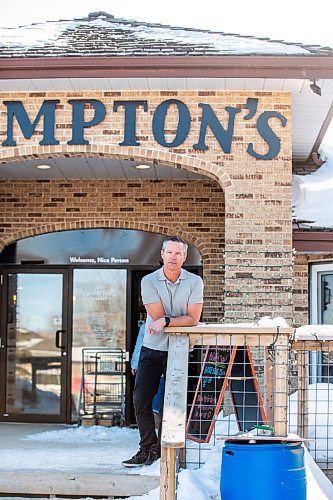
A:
(291, 20)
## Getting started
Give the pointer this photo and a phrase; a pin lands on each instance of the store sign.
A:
(75, 259)
(208, 119)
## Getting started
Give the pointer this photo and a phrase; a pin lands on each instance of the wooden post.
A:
(281, 351)
(182, 458)
(174, 413)
(303, 389)
(269, 387)
(168, 474)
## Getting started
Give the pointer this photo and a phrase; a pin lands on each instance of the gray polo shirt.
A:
(175, 297)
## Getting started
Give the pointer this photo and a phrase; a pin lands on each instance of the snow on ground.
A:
(115, 444)
(319, 487)
(100, 447)
(106, 447)
(320, 400)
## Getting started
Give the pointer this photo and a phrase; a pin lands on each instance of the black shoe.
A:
(137, 460)
(153, 456)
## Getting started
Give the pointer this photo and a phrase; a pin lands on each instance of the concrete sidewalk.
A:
(78, 468)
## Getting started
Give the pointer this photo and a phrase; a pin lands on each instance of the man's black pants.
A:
(150, 368)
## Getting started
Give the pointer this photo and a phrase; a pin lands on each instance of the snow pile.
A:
(77, 435)
(264, 322)
(269, 322)
(319, 487)
(320, 401)
(89, 448)
(204, 483)
(313, 193)
(314, 332)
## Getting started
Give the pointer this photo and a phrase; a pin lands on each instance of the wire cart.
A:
(102, 394)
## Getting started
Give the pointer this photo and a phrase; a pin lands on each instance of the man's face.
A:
(173, 256)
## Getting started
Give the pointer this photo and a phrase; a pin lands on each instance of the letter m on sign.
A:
(15, 109)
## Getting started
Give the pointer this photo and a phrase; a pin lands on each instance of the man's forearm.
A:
(157, 326)
(183, 321)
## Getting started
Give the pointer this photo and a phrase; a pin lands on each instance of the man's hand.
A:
(134, 370)
(157, 326)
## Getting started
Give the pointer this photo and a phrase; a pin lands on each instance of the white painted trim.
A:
(315, 357)
(313, 295)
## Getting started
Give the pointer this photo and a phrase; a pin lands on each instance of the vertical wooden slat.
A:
(269, 387)
(303, 389)
(182, 458)
(168, 474)
(281, 355)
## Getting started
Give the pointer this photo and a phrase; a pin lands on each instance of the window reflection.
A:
(34, 313)
(326, 306)
(99, 316)
(327, 299)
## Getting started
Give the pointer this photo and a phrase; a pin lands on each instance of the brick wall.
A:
(167, 207)
(257, 256)
(301, 292)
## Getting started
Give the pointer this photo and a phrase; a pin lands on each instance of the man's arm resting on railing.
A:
(156, 312)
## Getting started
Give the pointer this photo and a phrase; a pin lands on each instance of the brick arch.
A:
(96, 224)
(166, 158)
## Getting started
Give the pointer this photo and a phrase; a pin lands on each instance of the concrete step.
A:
(79, 484)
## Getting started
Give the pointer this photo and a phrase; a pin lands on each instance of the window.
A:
(321, 313)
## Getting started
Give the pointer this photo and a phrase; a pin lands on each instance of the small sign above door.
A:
(100, 247)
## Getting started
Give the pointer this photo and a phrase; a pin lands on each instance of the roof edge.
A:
(308, 67)
(313, 241)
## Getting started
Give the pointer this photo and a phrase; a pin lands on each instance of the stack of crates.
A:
(102, 394)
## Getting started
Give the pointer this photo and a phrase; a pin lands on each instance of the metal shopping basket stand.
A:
(102, 394)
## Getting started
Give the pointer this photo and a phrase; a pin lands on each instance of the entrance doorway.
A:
(34, 345)
(63, 292)
(48, 316)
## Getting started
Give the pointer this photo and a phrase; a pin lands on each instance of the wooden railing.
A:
(174, 416)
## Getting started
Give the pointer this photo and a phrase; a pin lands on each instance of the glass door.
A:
(34, 346)
(99, 322)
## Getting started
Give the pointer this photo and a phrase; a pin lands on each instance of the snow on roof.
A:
(313, 194)
(100, 34)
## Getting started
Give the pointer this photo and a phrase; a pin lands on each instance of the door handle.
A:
(57, 339)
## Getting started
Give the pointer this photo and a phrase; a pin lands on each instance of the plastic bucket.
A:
(261, 471)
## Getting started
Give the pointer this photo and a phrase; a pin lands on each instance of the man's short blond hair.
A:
(175, 239)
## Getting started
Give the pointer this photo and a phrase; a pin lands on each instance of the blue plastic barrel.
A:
(263, 471)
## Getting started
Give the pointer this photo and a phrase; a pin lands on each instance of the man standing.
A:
(172, 297)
